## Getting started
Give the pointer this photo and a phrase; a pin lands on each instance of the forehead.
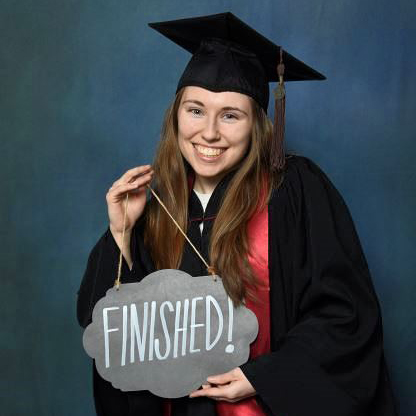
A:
(221, 99)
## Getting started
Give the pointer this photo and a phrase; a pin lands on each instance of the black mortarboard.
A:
(228, 55)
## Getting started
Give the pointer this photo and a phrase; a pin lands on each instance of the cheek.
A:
(184, 135)
(242, 149)
(241, 146)
(240, 138)
(184, 141)
(183, 146)
(186, 128)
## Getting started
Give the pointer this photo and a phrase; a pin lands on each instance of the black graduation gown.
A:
(327, 354)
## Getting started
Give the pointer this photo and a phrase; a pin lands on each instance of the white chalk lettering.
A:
(152, 330)
(106, 331)
(194, 325)
(165, 332)
(150, 323)
(182, 329)
(230, 347)
(185, 325)
(208, 301)
(124, 345)
(177, 329)
(135, 331)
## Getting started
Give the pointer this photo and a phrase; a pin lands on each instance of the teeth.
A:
(208, 151)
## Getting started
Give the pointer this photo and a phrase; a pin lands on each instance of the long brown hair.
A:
(248, 191)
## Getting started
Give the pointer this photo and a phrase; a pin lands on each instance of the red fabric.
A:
(166, 407)
(257, 231)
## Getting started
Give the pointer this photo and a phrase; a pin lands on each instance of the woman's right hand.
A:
(134, 183)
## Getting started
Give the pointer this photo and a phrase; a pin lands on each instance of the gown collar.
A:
(191, 263)
(195, 210)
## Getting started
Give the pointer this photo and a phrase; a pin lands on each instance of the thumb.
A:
(220, 378)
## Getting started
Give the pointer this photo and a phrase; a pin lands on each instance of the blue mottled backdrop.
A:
(83, 90)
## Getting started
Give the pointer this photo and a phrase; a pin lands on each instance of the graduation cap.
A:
(229, 55)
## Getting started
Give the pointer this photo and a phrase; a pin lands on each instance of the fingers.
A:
(230, 387)
(131, 174)
(227, 393)
(218, 387)
(204, 386)
(137, 182)
(222, 378)
(207, 392)
(120, 188)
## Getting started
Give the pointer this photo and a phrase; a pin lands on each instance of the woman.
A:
(279, 234)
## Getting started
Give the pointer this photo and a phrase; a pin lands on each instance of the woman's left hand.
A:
(230, 387)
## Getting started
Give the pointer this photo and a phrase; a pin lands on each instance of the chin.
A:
(208, 172)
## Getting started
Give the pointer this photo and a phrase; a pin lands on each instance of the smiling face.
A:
(214, 130)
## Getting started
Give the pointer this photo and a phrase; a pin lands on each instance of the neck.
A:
(206, 185)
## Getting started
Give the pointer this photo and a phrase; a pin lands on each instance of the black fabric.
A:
(326, 328)
(113, 402)
(191, 263)
(220, 65)
(228, 55)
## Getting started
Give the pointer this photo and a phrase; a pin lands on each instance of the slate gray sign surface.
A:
(168, 333)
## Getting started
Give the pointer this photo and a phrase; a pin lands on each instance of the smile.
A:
(208, 151)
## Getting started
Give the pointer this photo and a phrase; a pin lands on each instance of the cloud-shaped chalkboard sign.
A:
(168, 333)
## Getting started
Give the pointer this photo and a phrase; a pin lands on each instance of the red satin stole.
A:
(258, 235)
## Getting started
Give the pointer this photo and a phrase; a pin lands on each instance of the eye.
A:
(195, 111)
(230, 116)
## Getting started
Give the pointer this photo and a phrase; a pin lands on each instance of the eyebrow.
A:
(228, 108)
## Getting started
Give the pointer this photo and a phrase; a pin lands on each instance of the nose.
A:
(210, 132)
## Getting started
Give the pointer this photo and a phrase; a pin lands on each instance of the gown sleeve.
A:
(101, 270)
(329, 358)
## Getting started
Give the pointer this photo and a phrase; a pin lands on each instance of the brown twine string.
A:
(117, 282)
